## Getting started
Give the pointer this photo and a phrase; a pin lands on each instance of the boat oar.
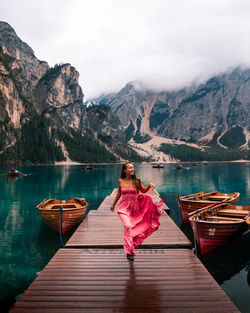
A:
(204, 208)
(197, 211)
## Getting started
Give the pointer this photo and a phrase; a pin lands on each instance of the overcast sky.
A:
(166, 44)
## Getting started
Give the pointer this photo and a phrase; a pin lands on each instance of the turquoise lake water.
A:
(27, 244)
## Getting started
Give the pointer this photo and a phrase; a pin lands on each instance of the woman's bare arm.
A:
(117, 197)
(146, 189)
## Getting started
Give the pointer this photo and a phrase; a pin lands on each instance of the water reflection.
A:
(27, 244)
(226, 262)
(140, 290)
(248, 273)
(230, 268)
(13, 179)
(60, 184)
(149, 174)
(131, 289)
(14, 218)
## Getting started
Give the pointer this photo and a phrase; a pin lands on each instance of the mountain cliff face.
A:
(19, 73)
(42, 115)
(58, 95)
(133, 105)
(210, 113)
(212, 110)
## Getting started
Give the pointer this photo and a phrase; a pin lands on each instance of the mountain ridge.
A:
(220, 104)
(44, 119)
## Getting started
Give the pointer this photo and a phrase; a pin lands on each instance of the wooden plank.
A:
(99, 231)
(100, 280)
(122, 310)
(103, 280)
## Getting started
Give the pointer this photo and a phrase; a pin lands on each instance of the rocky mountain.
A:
(42, 114)
(216, 112)
(43, 117)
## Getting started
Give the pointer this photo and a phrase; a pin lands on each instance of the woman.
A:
(139, 215)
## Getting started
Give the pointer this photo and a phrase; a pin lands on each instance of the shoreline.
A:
(71, 163)
(168, 162)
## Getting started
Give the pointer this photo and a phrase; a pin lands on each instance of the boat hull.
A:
(60, 215)
(218, 225)
(211, 236)
(188, 206)
(15, 174)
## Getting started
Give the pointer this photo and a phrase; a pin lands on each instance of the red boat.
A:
(14, 173)
(191, 203)
(218, 224)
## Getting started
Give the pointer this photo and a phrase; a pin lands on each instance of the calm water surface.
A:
(27, 244)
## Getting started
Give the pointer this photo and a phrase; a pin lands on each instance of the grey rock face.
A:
(31, 91)
(133, 107)
(32, 68)
(218, 105)
(105, 125)
(58, 94)
(193, 114)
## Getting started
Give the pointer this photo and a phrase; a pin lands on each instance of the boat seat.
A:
(202, 200)
(218, 198)
(233, 212)
(63, 206)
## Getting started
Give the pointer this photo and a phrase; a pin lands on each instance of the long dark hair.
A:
(136, 180)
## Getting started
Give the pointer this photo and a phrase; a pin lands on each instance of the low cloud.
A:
(165, 44)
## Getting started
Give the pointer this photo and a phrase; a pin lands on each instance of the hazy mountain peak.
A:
(137, 85)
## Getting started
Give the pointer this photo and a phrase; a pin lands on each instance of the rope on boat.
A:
(60, 227)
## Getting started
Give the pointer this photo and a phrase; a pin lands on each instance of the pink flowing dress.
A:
(140, 217)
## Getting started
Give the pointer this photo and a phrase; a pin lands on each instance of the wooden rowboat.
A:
(158, 166)
(218, 224)
(191, 203)
(62, 214)
(15, 173)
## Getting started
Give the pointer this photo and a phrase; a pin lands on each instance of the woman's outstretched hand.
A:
(152, 186)
(112, 208)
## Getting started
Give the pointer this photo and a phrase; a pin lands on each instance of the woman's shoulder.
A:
(120, 182)
(125, 184)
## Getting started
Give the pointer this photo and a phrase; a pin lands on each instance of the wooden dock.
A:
(92, 274)
(88, 234)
